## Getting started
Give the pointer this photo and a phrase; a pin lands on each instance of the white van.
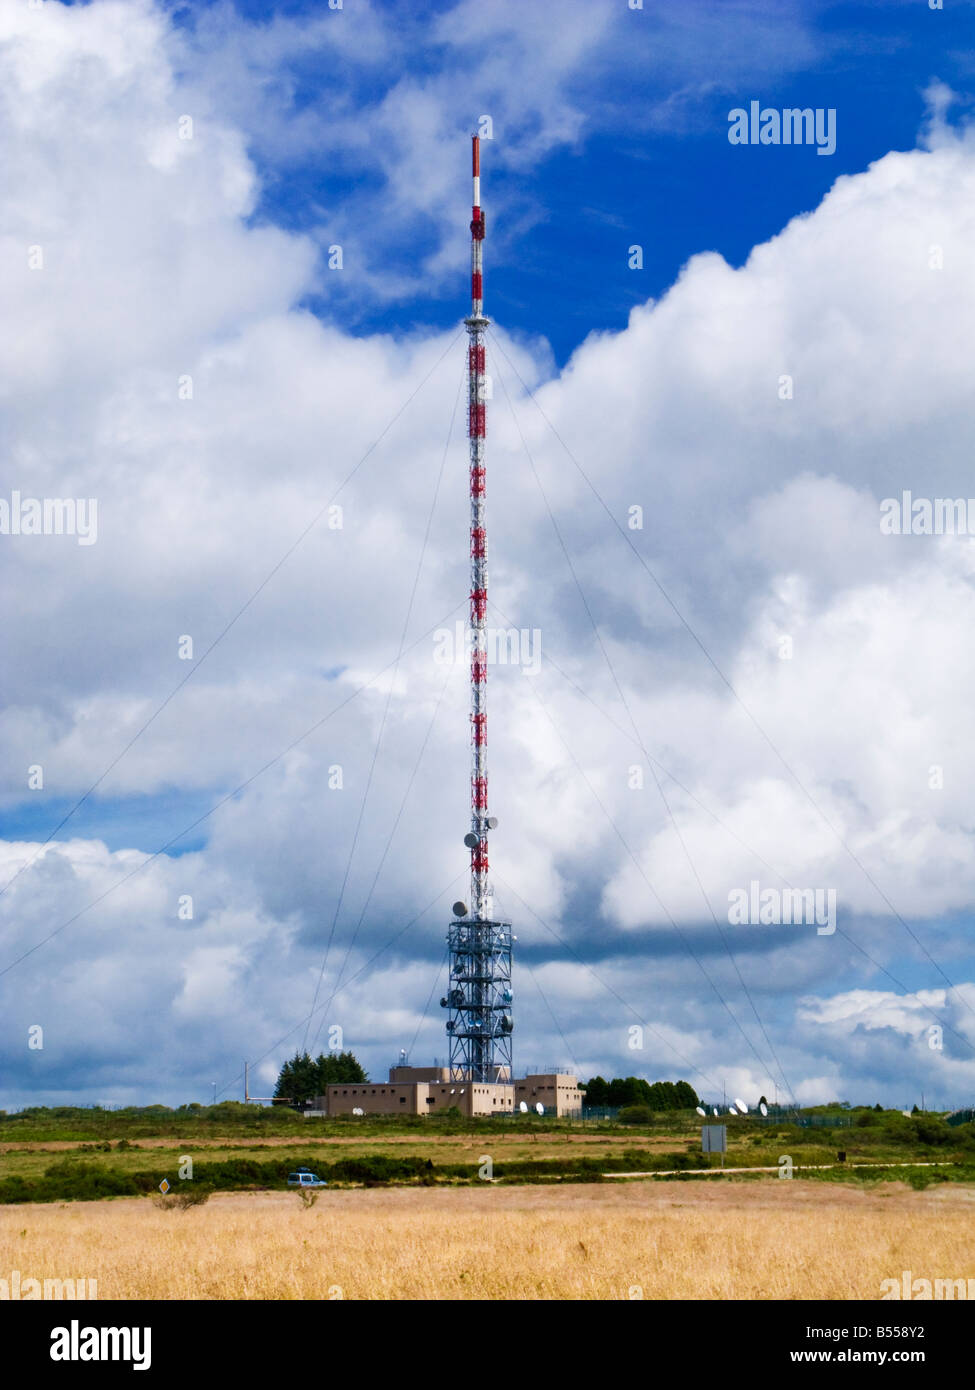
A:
(304, 1177)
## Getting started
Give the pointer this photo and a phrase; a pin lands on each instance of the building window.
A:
(402, 1100)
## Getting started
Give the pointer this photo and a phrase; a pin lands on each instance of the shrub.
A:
(919, 1181)
(182, 1201)
(932, 1132)
(192, 1197)
(636, 1115)
(681, 1160)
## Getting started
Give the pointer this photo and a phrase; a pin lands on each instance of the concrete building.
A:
(405, 1073)
(402, 1072)
(419, 1097)
(557, 1091)
(429, 1090)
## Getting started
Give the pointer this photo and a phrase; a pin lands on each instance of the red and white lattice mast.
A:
(477, 429)
(479, 996)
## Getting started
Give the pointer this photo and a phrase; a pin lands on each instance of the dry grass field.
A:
(726, 1240)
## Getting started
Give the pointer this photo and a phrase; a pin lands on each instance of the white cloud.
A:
(761, 518)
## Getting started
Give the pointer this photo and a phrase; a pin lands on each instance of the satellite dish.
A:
(764, 1108)
(356, 1110)
(732, 1110)
(491, 822)
(522, 1106)
(701, 1111)
(471, 840)
(539, 1107)
(460, 909)
(452, 1090)
(463, 1089)
(715, 1109)
(742, 1107)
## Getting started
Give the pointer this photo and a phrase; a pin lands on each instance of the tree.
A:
(597, 1092)
(629, 1090)
(296, 1081)
(687, 1097)
(338, 1067)
(302, 1079)
(662, 1096)
(625, 1091)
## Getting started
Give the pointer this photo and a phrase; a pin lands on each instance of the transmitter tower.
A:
(479, 1022)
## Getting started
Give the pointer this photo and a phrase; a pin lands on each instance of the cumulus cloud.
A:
(161, 361)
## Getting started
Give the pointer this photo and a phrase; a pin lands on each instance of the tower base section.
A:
(479, 998)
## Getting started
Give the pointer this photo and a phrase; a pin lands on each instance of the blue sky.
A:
(206, 259)
(638, 172)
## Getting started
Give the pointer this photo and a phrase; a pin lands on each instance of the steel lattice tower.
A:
(479, 992)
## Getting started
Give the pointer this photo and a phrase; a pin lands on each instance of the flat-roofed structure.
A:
(432, 1090)
(419, 1097)
(557, 1091)
(405, 1073)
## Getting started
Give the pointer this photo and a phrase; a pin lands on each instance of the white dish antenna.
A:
(523, 1107)
(742, 1107)
(540, 1108)
(732, 1110)
(357, 1110)
(764, 1108)
(701, 1111)
(714, 1110)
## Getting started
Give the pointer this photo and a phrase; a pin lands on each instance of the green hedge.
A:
(69, 1179)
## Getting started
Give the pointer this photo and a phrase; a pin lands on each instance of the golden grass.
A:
(762, 1240)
